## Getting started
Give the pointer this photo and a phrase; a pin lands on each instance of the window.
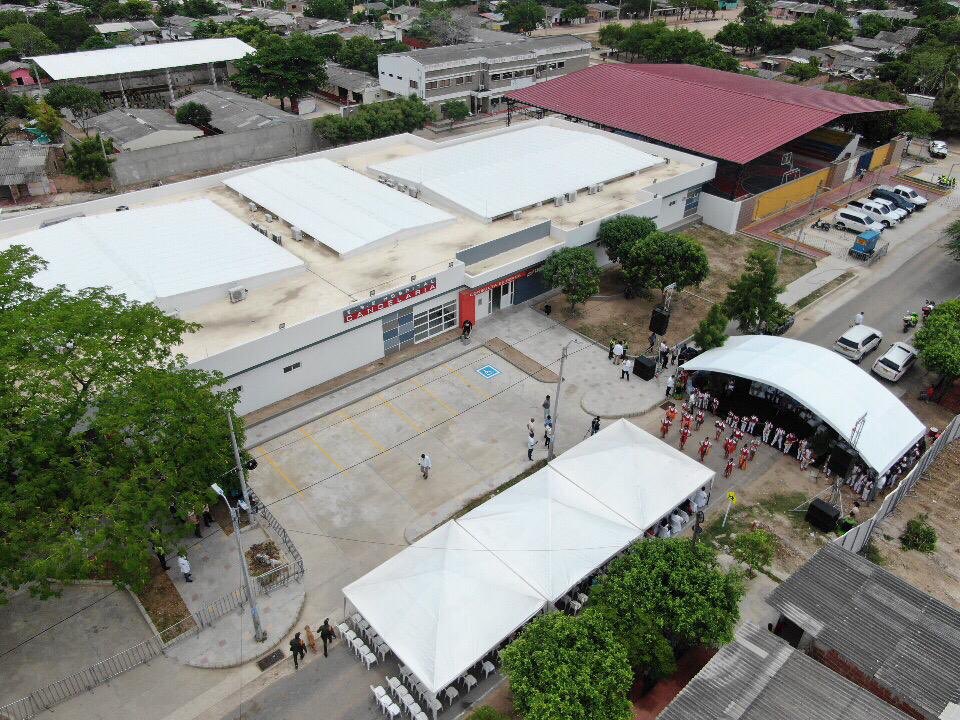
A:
(495, 76)
(443, 83)
(507, 75)
(541, 68)
(551, 66)
(459, 81)
(561, 64)
(414, 84)
(291, 368)
(529, 71)
(468, 78)
(435, 320)
(692, 203)
(432, 85)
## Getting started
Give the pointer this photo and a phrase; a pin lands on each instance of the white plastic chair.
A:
(393, 683)
(575, 606)
(385, 702)
(421, 716)
(357, 644)
(583, 597)
(378, 692)
(343, 628)
(369, 659)
(356, 617)
(451, 693)
(488, 668)
(350, 636)
(393, 710)
(381, 649)
(469, 681)
(405, 673)
(409, 703)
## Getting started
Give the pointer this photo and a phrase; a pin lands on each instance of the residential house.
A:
(904, 36)
(552, 16)
(353, 87)
(25, 171)
(481, 73)
(402, 13)
(20, 73)
(600, 11)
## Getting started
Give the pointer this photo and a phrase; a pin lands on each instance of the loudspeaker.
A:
(822, 515)
(644, 368)
(659, 320)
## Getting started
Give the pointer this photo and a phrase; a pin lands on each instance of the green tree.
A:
(574, 11)
(570, 668)
(612, 35)
(373, 121)
(938, 340)
(872, 24)
(437, 25)
(79, 490)
(83, 102)
(47, 120)
(919, 535)
(575, 271)
(86, 161)
(835, 24)
(194, 113)
(96, 42)
(712, 330)
(359, 53)
(661, 259)
(755, 10)
(679, 586)
(67, 32)
(485, 712)
(12, 17)
(455, 110)
(952, 235)
(329, 9)
(918, 122)
(947, 106)
(251, 30)
(734, 35)
(524, 15)
(282, 68)
(648, 651)
(199, 8)
(755, 549)
(805, 71)
(752, 300)
(621, 232)
(27, 40)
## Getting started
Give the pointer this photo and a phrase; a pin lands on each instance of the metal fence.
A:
(856, 538)
(105, 670)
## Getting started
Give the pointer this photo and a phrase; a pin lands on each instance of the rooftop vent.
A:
(236, 294)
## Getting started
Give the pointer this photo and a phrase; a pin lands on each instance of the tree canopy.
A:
(328, 9)
(437, 25)
(752, 300)
(282, 68)
(103, 428)
(194, 113)
(28, 40)
(360, 52)
(711, 332)
(79, 100)
(618, 233)
(374, 121)
(660, 259)
(524, 15)
(86, 160)
(455, 110)
(575, 271)
(568, 668)
(657, 43)
(938, 340)
(574, 11)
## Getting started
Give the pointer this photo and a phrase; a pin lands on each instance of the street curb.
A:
(143, 611)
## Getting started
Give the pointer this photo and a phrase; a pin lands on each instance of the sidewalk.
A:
(828, 269)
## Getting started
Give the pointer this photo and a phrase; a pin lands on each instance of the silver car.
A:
(895, 362)
(857, 342)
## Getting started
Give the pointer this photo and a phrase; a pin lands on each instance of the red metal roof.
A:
(719, 114)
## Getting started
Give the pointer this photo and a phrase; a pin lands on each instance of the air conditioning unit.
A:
(600, 187)
(592, 190)
(571, 196)
(413, 191)
(297, 234)
(517, 214)
(276, 238)
(402, 188)
(559, 200)
(253, 206)
(268, 217)
(236, 294)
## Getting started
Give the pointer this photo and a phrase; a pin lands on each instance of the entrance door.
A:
(493, 299)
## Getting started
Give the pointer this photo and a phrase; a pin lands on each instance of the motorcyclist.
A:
(927, 308)
(910, 320)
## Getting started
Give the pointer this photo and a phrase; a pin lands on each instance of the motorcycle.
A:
(910, 320)
(946, 181)
(821, 225)
(927, 308)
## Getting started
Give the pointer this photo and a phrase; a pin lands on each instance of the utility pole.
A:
(259, 634)
(551, 453)
(240, 474)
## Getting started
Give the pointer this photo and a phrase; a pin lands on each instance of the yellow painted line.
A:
(363, 432)
(402, 415)
(327, 455)
(264, 453)
(435, 398)
(466, 382)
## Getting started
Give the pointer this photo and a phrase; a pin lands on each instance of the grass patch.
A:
(821, 291)
(872, 553)
(742, 516)
(476, 502)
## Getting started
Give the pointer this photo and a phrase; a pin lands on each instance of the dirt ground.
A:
(610, 314)
(938, 495)
(163, 603)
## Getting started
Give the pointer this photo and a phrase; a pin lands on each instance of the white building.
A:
(398, 241)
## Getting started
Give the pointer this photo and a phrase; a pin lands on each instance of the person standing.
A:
(547, 432)
(531, 444)
(653, 341)
(729, 446)
(546, 408)
(801, 447)
(698, 421)
(805, 458)
(744, 457)
(720, 427)
(754, 446)
(684, 436)
(467, 327)
(670, 382)
(778, 436)
(195, 521)
(299, 650)
(207, 516)
(626, 369)
(618, 353)
(767, 429)
(728, 470)
(664, 353)
(704, 449)
(425, 464)
(610, 353)
(184, 566)
(665, 426)
(326, 634)
(788, 445)
(752, 424)
(595, 425)
(858, 318)
(532, 426)
(715, 405)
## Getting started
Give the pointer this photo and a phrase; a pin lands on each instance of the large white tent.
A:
(550, 531)
(638, 475)
(443, 603)
(839, 392)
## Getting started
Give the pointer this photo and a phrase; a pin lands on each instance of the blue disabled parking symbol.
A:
(488, 371)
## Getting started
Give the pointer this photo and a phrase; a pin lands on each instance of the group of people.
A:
(673, 523)
(298, 648)
(735, 427)
(532, 441)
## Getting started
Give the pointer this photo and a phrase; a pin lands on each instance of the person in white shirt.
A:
(185, 567)
(425, 464)
(858, 318)
(618, 353)
(531, 444)
(663, 530)
(700, 498)
(626, 369)
(676, 523)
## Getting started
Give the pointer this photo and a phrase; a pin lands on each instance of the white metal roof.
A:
(828, 384)
(495, 175)
(141, 58)
(155, 253)
(343, 209)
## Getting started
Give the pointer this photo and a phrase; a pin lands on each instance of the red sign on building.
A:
(375, 305)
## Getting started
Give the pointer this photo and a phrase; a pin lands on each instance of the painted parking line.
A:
(363, 432)
(402, 415)
(317, 445)
(427, 390)
(466, 382)
(264, 453)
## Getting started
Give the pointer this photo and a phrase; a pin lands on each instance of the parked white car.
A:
(907, 193)
(891, 207)
(938, 149)
(858, 341)
(877, 213)
(895, 362)
(854, 220)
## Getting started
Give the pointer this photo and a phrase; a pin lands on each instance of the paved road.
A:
(929, 274)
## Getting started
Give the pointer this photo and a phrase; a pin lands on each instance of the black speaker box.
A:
(822, 515)
(644, 368)
(659, 320)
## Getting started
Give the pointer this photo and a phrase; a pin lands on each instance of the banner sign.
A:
(375, 305)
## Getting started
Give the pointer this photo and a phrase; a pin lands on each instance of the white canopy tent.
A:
(838, 391)
(638, 475)
(443, 603)
(549, 531)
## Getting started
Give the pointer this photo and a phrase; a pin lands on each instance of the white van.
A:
(891, 207)
(877, 213)
(854, 220)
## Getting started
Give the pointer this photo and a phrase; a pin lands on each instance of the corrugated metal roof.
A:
(760, 677)
(21, 164)
(711, 112)
(906, 640)
(232, 112)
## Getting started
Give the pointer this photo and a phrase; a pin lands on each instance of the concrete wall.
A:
(219, 151)
(719, 213)
(502, 244)
(671, 209)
